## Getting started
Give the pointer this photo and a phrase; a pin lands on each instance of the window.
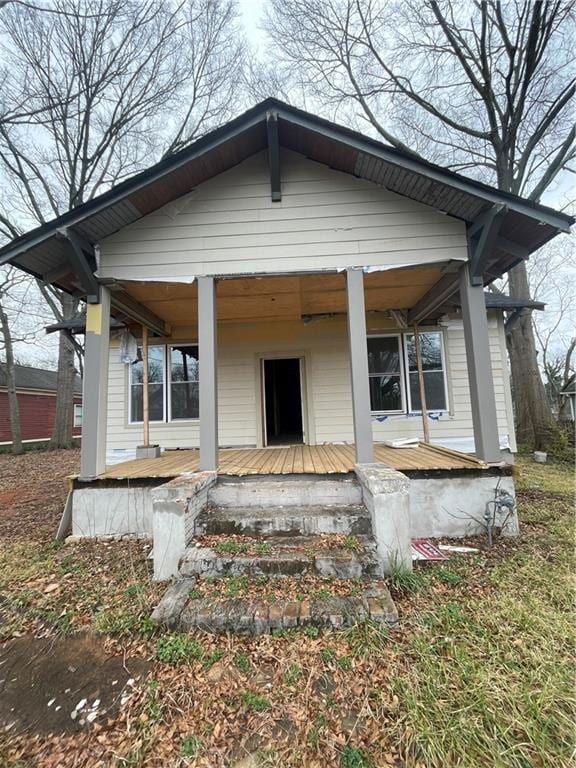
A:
(184, 382)
(393, 373)
(432, 370)
(385, 371)
(156, 378)
(77, 414)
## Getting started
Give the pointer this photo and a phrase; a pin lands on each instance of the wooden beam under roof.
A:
(273, 155)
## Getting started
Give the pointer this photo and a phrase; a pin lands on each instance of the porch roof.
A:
(44, 251)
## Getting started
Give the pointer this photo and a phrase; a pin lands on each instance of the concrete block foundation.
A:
(454, 506)
(115, 511)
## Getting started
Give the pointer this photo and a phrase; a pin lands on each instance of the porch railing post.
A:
(207, 346)
(479, 363)
(359, 366)
(95, 387)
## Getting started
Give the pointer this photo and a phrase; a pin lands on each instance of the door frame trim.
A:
(305, 393)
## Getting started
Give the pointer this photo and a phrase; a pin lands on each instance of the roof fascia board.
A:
(415, 165)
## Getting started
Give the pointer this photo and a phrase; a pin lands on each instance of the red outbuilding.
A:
(36, 389)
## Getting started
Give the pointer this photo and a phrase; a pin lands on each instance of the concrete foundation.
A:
(454, 506)
(100, 511)
(176, 506)
(386, 496)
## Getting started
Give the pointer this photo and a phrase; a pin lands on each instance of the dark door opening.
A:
(283, 400)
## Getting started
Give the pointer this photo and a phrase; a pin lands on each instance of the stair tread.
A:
(328, 554)
(245, 615)
(270, 511)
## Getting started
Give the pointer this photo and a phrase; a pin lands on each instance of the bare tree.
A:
(12, 301)
(484, 87)
(109, 86)
(551, 276)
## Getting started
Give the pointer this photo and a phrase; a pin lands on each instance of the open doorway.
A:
(282, 401)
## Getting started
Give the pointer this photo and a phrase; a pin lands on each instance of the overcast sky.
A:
(42, 350)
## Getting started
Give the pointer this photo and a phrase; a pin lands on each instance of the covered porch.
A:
(210, 312)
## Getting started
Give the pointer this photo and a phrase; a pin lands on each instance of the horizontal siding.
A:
(326, 220)
(324, 346)
(37, 413)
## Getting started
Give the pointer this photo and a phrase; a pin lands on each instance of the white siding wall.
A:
(324, 346)
(326, 220)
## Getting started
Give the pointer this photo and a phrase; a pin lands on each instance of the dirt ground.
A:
(479, 673)
(61, 684)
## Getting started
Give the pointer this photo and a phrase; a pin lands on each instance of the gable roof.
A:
(42, 252)
(28, 377)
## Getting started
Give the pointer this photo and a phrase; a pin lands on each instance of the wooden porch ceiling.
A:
(285, 298)
(294, 459)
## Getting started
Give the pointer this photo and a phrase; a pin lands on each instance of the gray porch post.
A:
(208, 381)
(479, 369)
(95, 387)
(359, 366)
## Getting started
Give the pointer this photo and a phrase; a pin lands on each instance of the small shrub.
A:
(242, 662)
(292, 674)
(262, 548)
(312, 632)
(255, 702)
(195, 594)
(190, 747)
(231, 547)
(178, 649)
(352, 543)
(344, 663)
(352, 757)
(328, 654)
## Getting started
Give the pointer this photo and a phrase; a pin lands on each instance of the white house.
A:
(297, 290)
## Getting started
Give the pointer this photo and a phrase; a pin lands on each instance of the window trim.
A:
(75, 422)
(440, 333)
(130, 385)
(405, 371)
(168, 373)
(402, 373)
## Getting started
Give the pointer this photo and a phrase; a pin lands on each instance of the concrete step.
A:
(330, 556)
(352, 519)
(285, 490)
(181, 609)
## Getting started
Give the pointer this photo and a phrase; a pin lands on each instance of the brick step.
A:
(180, 609)
(330, 556)
(351, 519)
(285, 490)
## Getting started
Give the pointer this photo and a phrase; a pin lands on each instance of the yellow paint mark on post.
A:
(94, 319)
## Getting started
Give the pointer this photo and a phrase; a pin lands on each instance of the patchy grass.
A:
(479, 674)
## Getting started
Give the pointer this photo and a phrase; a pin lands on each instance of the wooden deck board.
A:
(297, 459)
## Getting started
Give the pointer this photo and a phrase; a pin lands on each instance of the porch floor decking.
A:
(295, 459)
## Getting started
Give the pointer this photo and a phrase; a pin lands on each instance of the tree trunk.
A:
(534, 420)
(11, 384)
(64, 419)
